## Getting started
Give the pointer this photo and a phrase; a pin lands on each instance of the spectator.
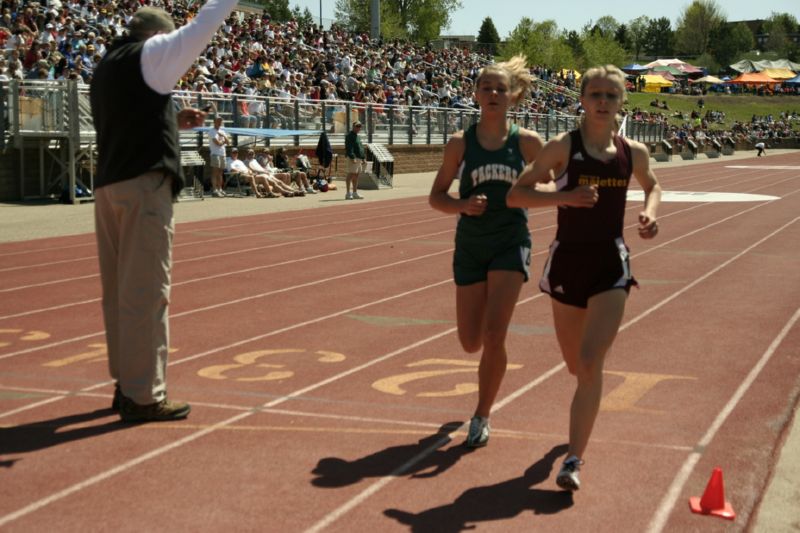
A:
(237, 166)
(299, 177)
(272, 181)
(136, 183)
(219, 140)
(356, 159)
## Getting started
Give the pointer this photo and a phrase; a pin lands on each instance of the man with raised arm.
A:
(138, 177)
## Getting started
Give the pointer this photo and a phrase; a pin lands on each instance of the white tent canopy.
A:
(707, 79)
(664, 62)
(746, 65)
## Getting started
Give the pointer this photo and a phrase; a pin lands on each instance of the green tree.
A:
(540, 44)
(421, 20)
(353, 15)
(637, 35)
(659, 38)
(695, 26)
(562, 55)
(305, 18)
(708, 61)
(622, 37)
(278, 9)
(601, 50)
(607, 25)
(573, 40)
(728, 41)
(520, 40)
(779, 26)
(488, 39)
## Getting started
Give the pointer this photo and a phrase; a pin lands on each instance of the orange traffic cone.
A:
(713, 500)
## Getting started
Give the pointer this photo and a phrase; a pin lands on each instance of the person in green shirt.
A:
(354, 151)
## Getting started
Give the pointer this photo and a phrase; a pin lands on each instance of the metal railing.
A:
(57, 115)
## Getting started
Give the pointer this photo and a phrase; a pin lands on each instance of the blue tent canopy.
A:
(795, 80)
(261, 132)
(634, 66)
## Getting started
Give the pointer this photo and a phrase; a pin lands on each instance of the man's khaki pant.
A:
(134, 227)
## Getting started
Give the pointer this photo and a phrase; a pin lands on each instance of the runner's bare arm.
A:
(648, 227)
(440, 197)
(551, 160)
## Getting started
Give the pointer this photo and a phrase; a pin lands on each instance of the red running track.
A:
(330, 392)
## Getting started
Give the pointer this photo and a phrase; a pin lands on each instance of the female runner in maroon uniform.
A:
(587, 274)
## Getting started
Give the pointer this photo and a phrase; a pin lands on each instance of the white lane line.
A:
(223, 274)
(248, 298)
(376, 486)
(215, 225)
(418, 427)
(243, 235)
(83, 302)
(38, 504)
(690, 178)
(94, 300)
(306, 323)
(765, 167)
(326, 224)
(245, 341)
(665, 507)
(353, 502)
(177, 315)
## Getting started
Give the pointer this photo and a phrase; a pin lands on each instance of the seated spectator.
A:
(297, 176)
(271, 181)
(237, 166)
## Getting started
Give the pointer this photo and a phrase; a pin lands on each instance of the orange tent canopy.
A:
(753, 78)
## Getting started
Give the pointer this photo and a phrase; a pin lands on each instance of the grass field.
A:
(735, 107)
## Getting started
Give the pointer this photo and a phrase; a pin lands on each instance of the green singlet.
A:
(492, 173)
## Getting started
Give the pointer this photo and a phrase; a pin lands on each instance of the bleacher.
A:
(192, 163)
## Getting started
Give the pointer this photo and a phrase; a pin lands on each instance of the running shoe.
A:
(348, 196)
(478, 432)
(568, 475)
(357, 196)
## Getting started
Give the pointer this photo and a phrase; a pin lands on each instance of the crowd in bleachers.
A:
(759, 128)
(253, 55)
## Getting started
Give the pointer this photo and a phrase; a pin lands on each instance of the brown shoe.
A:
(164, 410)
(117, 400)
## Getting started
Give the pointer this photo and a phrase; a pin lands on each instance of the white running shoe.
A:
(357, 196)
(348, 196)
(478, 432)
(567, 477)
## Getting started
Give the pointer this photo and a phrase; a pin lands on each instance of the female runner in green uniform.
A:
(493, 244)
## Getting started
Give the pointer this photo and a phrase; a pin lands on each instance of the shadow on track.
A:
(424, 459)
(493, 502)
(47, 433)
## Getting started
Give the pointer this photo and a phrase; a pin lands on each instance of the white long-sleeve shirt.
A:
(253, 165)
(166, 57)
